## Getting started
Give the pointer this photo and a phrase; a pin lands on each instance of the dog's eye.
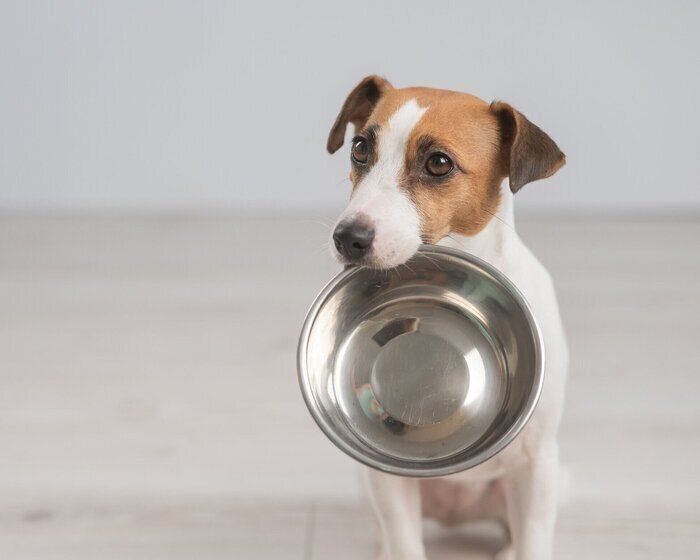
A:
(438, 165)
(359, 151)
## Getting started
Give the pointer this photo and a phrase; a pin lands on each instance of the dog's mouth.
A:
(374, 262)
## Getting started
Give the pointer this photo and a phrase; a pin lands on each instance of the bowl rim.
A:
(425, 471)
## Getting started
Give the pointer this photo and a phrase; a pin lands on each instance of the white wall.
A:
(196, 104)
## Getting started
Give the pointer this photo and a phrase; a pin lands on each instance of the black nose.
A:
(353, 239)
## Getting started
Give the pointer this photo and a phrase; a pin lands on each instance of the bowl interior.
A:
(423, 370)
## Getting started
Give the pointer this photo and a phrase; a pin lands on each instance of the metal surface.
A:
(424, 370)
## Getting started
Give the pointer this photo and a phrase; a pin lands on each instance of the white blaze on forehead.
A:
(380, 197)
(393, 141)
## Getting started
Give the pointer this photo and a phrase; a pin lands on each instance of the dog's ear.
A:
(357, 109)
(528, 153)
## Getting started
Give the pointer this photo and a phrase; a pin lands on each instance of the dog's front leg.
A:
(397, 506)
(531, 494)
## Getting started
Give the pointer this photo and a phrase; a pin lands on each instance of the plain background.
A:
(226, 105)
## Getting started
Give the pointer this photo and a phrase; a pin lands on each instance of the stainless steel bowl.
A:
(423, 370)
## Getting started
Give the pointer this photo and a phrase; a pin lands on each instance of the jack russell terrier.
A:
(427, 166)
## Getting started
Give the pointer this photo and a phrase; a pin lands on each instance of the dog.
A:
(429, 166)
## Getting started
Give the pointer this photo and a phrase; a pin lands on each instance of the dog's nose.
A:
(353, 239)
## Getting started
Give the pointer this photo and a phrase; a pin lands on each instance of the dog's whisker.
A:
(326, 225)
(433, 261)
(493, 215)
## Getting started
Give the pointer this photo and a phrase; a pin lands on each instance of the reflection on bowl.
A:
(424, 370)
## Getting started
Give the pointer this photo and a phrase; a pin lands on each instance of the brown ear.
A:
(529, 153)
(356, 109)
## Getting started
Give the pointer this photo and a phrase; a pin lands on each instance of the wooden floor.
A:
(149, 408)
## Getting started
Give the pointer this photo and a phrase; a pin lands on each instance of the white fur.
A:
(380, 197)
(518, 484)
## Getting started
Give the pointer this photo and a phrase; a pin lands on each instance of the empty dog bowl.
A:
(423, 370)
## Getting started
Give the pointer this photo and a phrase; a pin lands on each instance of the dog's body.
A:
(431, 167)
(518, 485)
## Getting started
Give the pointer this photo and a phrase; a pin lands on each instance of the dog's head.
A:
(428, 162)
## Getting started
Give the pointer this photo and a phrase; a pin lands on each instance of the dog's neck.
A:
(493, 242)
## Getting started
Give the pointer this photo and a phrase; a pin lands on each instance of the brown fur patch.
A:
(528, 153)
(486, 143)
(357, 108)
(461, 126)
